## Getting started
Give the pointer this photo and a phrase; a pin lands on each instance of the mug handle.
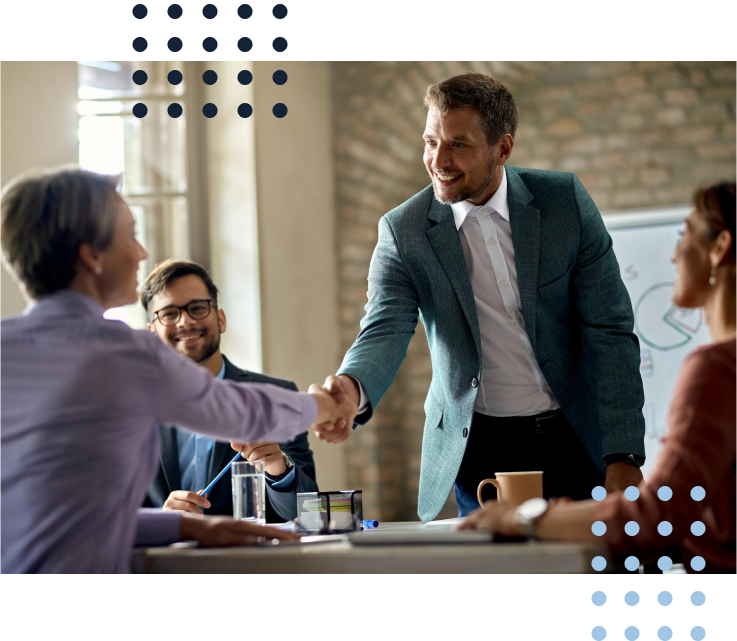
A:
(495, 483)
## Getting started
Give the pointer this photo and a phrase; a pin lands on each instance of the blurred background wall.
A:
(285, 211)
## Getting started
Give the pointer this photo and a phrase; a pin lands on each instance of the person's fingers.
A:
(188, 497)
(334, 387)
(237, 446)
(263, 450)
(182, 506)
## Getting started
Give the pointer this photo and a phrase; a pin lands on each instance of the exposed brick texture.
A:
(638, 135)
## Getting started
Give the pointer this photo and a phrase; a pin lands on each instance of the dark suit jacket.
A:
(280, 505)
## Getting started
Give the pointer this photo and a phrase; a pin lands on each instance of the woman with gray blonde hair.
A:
(82, 396)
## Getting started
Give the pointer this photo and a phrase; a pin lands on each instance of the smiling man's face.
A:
(198, 339)
(458, 156)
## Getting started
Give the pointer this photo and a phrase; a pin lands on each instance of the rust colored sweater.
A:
(698, 450)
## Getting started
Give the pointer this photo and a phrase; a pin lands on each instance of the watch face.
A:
(532, 509)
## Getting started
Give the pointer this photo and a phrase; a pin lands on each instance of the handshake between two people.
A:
(337, 402)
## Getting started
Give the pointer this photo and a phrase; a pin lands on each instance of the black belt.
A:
(546, 421)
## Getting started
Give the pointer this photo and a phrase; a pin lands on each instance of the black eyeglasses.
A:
(196, 309)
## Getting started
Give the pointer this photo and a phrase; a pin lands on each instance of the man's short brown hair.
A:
(499, 113)
(164, 273)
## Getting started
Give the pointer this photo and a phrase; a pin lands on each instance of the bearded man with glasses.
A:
(181, 303)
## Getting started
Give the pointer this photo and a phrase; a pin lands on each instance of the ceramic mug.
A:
(515, 487)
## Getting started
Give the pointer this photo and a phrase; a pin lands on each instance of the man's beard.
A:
(470, 191)
(208, 349)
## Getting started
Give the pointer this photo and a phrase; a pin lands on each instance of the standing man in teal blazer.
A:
(512, 273)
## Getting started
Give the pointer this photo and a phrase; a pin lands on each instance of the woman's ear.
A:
(722, 248)
(90, 258)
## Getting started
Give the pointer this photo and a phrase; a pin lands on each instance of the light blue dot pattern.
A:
(631, 528)
(598, 493)
(631, 633)
(599, 598)
(599, 528)
(698, 563)
(631, 598)
(698, 633)
(598, 633)
(632, 563)
(698, 598)
(697, 528)
(664, 528)
(632, 493)
(665, 633)
(665, 493)
(698, 493)
(665, 563)
(665, 598)
(598, 563)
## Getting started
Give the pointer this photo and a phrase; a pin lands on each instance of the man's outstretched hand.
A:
(343, 391)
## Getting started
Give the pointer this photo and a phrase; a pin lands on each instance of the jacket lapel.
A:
(524, 219)
(170, 457)
(445, 243)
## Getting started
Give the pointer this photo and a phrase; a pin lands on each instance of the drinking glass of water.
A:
(249, 492)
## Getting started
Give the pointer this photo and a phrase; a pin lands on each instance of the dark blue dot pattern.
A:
(245, 77)
(209, 44)
(280, 77)
(280, 12)
(245, 110)
(174, 110)
(174, 11)
(140, 11)
(279, 110)
(140, 44)
(245, 44)
(140, 77)
(174, 77)
(209, 11)
(245, 11)
(210, 110)
(209, 77)
(174, 44)
(140, 110)
(280, 44)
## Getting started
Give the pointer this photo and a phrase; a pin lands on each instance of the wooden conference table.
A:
(530, 557)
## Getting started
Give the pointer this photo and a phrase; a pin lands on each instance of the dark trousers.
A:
(545, 442)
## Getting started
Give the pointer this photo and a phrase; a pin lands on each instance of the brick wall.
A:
(637, 134)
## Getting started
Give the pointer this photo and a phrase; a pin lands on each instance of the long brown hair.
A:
(716, 204)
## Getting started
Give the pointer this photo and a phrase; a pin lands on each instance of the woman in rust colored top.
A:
(699, 449)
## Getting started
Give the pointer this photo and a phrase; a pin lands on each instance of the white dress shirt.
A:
(511, 383)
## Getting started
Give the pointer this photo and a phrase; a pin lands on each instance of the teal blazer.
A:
(577, 313)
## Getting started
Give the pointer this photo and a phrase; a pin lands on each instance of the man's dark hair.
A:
(164, 273)
(499, 113)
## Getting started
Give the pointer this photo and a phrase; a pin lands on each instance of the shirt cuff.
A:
(156, 527)
(363, 402)
(285, 484)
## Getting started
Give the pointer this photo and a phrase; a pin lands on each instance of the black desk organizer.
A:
(314, 515)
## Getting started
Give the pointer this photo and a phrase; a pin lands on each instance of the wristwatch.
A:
(631, 459)
(529, 513)
(288, 462)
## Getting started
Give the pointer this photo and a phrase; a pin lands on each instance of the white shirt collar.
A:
(498, 203)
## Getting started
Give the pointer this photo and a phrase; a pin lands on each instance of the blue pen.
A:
(219, 476)
(369, 525)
